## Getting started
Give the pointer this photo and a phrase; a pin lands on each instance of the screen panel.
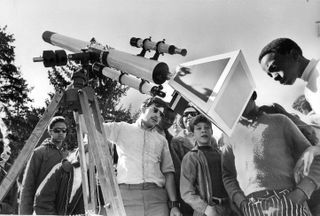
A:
(234, 96)
(200, 79)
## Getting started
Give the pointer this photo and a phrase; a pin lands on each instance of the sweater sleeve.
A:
(29, 183)
(46, 195)
(299, 145)
(229, 174)
(188, 183)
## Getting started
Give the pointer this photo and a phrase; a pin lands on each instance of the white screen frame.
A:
(208, 107)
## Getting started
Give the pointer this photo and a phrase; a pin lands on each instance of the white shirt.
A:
(143, 154)
(311, 75)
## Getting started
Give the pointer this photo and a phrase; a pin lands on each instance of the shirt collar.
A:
(307, 71)
(138, 123)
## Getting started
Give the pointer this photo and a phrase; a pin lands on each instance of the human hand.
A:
(302, 167)
(175, 212)
(297, 196)
(211, 211)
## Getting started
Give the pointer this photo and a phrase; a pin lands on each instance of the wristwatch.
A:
(172, 204)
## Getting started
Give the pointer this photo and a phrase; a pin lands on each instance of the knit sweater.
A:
(261, 155)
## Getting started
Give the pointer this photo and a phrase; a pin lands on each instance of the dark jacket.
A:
(9, 204)
(194, 168)
(41, 162)
(53, 195)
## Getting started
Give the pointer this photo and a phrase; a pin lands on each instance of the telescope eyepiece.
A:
(134, 42)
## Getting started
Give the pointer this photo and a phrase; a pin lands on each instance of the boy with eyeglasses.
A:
(60, 193)
(145, 172)
(184, 141)
(44, 157)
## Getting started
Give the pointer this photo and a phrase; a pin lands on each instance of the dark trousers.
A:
(314, 203)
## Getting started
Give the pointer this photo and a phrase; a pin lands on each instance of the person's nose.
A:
(203, 131)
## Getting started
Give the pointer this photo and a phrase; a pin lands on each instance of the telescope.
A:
(147, 69)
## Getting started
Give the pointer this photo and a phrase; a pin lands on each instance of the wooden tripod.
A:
(89, 122)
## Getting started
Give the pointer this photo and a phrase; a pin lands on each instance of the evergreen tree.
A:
(13, 88)
(20, 119)
(108, 93)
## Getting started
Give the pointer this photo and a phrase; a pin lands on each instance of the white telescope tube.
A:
(148, 69)
(126, 79)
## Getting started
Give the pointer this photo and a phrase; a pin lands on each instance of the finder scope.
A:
(160, 47)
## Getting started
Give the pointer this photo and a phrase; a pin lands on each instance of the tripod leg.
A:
(89, 202)
(109, 186)
(31, 143)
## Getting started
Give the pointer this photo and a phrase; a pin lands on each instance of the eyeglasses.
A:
(192, 114)
(58, 130)
(156, 110)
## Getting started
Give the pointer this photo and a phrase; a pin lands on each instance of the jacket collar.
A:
(50, 144)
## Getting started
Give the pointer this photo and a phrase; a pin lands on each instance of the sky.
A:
(204, 27)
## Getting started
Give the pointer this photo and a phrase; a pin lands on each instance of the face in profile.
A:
(283, 68)
(152, 115)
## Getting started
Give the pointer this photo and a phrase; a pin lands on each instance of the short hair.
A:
(55, 120)
(154, 100)
(180, 122)
(301, 104)
(199, 119)
(281, 46)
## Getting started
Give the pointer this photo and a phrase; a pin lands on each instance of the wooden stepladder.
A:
(82, 100)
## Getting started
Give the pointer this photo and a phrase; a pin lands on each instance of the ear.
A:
(50, 132)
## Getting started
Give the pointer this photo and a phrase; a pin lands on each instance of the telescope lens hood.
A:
(160, 73)
(46, 36)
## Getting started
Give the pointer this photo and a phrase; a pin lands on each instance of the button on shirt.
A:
(312, 91)
(143, 154)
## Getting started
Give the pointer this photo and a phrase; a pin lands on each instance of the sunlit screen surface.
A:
(219, 86)
(200, 79)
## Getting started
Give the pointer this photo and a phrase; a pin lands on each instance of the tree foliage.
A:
(108, 94)
(13, 88)
(20, 119)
